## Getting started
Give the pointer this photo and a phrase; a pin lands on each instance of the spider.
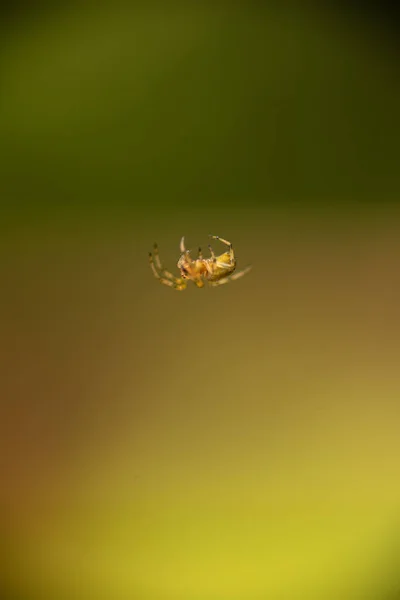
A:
(216, 270)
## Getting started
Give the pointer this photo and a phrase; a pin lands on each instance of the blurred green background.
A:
(237, 442)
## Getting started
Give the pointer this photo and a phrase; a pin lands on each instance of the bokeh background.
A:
(232, 443)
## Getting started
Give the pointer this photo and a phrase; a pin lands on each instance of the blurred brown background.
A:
(237, 442)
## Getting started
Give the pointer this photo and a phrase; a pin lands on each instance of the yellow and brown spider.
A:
(215, 270)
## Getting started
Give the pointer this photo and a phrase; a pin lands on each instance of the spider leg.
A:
(231, 254)
(200, 254)
(182, 245)
(183, 249)
(224, 265)
(163, 276)
(212, 254)
(216, 237)
(233, 277)
(208, 267)
(159, 265)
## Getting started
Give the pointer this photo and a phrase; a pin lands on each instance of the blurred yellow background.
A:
(237, 442)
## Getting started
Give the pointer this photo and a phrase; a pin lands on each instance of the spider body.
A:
(215, 270)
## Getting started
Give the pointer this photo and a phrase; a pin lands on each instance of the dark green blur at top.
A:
(177, 107)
